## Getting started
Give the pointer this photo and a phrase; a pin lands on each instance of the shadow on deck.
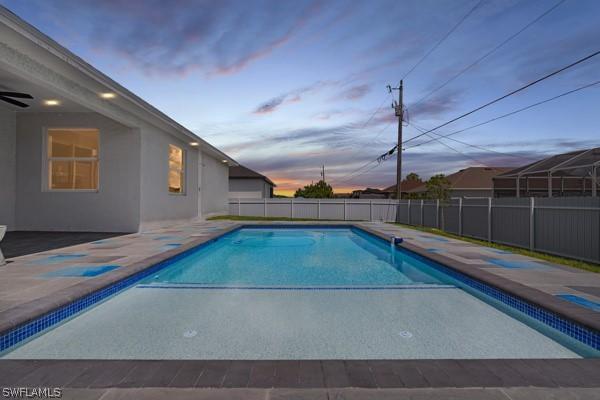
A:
(20, 243)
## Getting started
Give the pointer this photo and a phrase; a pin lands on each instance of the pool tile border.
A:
(35, 319)
(567, 319)
(574, 321)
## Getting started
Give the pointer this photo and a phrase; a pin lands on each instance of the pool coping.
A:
(588, 318)
(22, 314)
(374, 374)
(25, 313)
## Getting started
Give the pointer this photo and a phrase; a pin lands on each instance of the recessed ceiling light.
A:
(224, 161)
(108, 95)
(51, 102)
(194, 144)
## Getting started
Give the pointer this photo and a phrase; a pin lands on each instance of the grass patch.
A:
(534, 254)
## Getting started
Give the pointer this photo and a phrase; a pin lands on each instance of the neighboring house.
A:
(387, 193)
(89, 155)
(567, 174)
(245, 183)
(407, 186)
(371, 193)
(469, 182)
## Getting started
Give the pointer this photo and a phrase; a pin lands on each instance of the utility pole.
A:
(399, 110)
(323, 172)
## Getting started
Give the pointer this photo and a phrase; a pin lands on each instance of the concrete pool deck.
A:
(30, 286)
(33, 284)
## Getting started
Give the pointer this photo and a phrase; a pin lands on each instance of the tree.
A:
(319, 190)
(413, 177)
(438, 187)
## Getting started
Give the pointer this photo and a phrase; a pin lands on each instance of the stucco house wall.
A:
(214, 186)
(158, 205)
(248, 188)
(114, 207)
(8, 176)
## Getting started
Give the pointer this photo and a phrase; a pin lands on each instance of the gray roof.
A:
(241, 172)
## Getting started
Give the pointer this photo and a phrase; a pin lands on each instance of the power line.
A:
(421, 129)
(509, 94)
(368, 170)
(410, 71)
(440, 141)
(443, 39)
(489, 53)
(506, 115)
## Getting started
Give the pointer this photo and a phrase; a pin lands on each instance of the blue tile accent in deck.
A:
(582, 301)
(518, 264)
(80, 271)
(579, 332)
(165, 237)
(432, 239)
(58, 258)
(170, 246)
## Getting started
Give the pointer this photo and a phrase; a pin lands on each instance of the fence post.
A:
(265, 206)
(422, 213)
(370, 210)
(489, 235)
(437, 213)
(460, 221)
(344, 209)
(408, 212)
(531, 223)
(239, 208)
(318, 209)
(292, 208)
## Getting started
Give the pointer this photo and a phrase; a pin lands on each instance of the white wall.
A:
(114, 207)
(215, 186)
(247, 188)
(158, 206)
(8, 172)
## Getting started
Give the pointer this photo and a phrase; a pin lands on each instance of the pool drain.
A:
(405, 334)
(190, 333)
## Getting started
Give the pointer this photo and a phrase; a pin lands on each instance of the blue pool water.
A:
(311, 293)
(294, 257)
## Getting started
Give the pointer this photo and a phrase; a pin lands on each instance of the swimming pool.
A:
(301, 293)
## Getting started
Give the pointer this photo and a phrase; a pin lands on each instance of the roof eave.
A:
(49, 44)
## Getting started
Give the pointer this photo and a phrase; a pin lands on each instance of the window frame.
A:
(183, 169)
(46, 171)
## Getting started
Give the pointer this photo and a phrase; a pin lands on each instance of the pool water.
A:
(294, 257)
(310, 293)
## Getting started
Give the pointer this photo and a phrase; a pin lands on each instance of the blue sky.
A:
(286, 86)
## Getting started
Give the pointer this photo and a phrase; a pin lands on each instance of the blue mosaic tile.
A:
(582, 301)
(512, 264)
(23, 332)
(170, 246)
(57, 258)
(165, 237)
(584, 335)
(80, 271)
(433, 250)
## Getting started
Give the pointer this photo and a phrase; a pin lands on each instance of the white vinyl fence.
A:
(566, 226)
(330, 209)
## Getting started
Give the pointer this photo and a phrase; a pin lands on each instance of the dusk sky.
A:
(286, 86)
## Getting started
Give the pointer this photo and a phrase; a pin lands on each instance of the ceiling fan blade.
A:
(16, 95)
(14, 102)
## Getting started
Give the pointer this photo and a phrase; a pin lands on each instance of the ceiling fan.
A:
(10, 97)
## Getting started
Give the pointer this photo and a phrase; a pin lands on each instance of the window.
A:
(72, 159)
(176, 169)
